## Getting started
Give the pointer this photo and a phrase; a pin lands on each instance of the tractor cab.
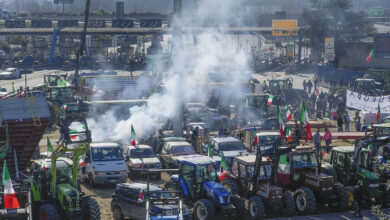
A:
(257, 100)
(279, 85)
(361, 85)
(71, 111)
(347, 170)
(55, 79)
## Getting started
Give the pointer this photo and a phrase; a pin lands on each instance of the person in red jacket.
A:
(328, 139)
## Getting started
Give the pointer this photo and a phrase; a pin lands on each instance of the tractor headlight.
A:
(373, 185)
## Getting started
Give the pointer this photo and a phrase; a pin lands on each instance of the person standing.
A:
(340, 123)
(297, 133)
(346, 121)
(304, 85)
(357, 194)
(358, 124)
(328, 139)
(309, 86)
(317, 142)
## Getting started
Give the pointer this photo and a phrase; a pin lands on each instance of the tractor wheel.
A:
(343, 197)
(231, 186)
(239, 203)
(288, 208)
(256, 207)
(305, 200)
(93, 210)
(117, 214)
(48, 212)
(204, 210)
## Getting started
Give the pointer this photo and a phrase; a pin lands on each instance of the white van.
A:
(104, 164)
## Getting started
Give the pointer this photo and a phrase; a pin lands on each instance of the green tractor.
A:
(71, 111)
(52, 79)
(348, 165)
(55, 186)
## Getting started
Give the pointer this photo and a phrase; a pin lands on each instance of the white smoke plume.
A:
(193, 64)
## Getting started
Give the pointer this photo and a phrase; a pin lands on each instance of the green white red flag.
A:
(10, 199)
(133, 137)
(280, 122)
(306, 121)
(288, 113)
(255, 140)
(270, 98)
(370, 56)
(223, 163)
(378, 113)
(288, 135)
(283, 174)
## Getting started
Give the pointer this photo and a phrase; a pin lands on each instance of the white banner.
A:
(368, 103)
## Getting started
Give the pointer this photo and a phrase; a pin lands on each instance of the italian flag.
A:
(270, 98)
(10, 199)
(81, 161)
(280, 122)
(378, 113)
(370, 56)
(255, 140)
(210, 151)
(133, 137)
(288, 135)
(306, 121)
(283, 174)
(288, 113)
(223, 163)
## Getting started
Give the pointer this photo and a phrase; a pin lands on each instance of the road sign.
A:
(376, 11)
(329, 49)
(284, 27)
(56, 2)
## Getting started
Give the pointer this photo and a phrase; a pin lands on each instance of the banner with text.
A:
(368, 103)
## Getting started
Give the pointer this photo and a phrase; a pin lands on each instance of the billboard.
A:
(284, 27)
(329, 49)
(382, 46)
(63, 2)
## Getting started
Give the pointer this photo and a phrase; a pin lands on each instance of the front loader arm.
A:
(77, 152)
(58, 152)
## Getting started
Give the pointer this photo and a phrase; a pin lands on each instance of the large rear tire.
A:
(204, 210)
(48, 212)
(231, 186)
(93, 210)
(239, 203)
(288, 208)
(305, 200)
(256, 207)
(343, 197)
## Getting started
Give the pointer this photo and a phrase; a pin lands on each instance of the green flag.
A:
(223, 163)
(49, 146)
(210, 151)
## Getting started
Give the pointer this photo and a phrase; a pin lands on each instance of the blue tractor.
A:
(200, 189)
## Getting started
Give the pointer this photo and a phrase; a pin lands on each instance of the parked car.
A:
(3, 92)
(230, 147)
(128, 201)
(10, 73)
(171, 150)
(139, 158)
(105, 164)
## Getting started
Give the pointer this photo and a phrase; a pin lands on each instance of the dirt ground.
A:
(103, 193)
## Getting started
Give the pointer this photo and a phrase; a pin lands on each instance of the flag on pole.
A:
(280, 122)
(49, 146)
(306, 121)
(283, 174)
(10, 199)
(288, 113)
(270, 98)
(255, 140)
(81, 161)
(133, 137)
(210, 151)
(378, 113)
(370, 56)
(223, 163)
(288, 135)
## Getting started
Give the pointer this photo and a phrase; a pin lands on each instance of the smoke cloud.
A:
(195, 59)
